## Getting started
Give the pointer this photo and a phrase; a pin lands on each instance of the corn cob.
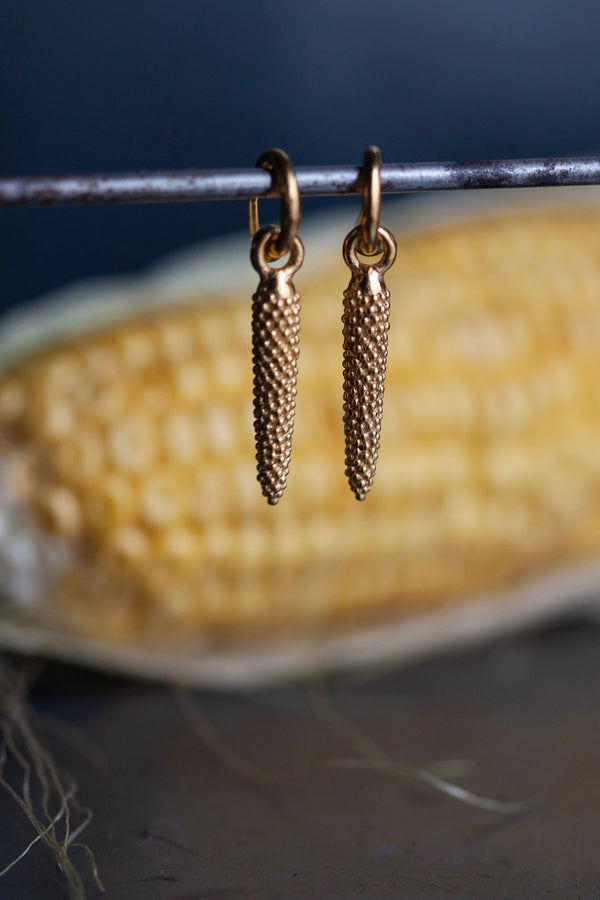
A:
(132, 449)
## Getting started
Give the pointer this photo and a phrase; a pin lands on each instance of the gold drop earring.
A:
(275, 328)
(366, 324)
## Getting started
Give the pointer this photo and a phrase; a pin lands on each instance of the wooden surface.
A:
(178, 818)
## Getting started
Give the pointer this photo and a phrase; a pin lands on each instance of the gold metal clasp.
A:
(370, 213)
(278, 163)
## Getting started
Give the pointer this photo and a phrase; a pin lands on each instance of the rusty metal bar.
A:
(241, 184)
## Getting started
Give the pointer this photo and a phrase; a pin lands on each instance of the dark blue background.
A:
(122, 85)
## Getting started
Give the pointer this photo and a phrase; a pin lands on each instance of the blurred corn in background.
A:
(128, 461)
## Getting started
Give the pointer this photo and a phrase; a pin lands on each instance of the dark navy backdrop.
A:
(123, 85)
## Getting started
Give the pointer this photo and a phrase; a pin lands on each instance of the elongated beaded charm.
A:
(275, 330)
(275, 327)
(366, 325)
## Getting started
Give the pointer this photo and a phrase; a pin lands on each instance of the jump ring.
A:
(385, 244)
(261, 253)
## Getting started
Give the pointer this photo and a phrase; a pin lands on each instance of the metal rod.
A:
(241, 184)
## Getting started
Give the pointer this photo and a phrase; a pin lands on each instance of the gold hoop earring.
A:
(275, 329)
(366, 324)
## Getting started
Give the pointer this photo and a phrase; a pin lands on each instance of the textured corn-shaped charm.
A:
(366, 325)
(275, 330)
